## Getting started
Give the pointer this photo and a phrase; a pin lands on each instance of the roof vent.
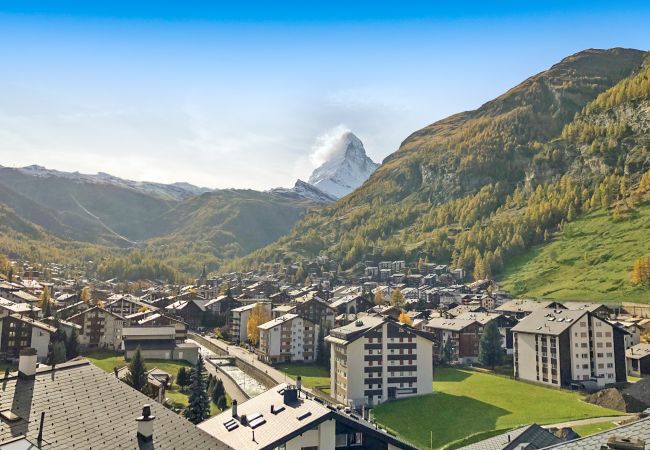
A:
(8, 416)
(359, 323)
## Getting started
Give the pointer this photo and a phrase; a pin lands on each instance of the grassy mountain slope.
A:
(478, 188)
(206, 229)
(590, 260)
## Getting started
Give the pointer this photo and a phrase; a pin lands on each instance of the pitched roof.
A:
(533, 436)
(441, 323)
(524, 305)
(549, 321)
(84, 407)
(278, 321)
(290, 420)
(638, 351)
(635, 430)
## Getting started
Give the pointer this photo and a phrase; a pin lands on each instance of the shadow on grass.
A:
(450, 374)
(446, 417)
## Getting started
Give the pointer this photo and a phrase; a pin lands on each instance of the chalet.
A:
(504, 324)
(520, 308)
(316, 310)
(190, 311)
(126, 305)
(637, 360)
(158, 319)
(464, 334)
(99, 328)
(222, 305)
(351, 304)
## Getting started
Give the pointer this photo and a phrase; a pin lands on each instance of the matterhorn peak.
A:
(345, 168)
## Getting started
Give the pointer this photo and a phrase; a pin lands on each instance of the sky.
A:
(246, 94)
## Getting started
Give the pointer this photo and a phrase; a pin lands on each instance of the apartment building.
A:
(376, 359)
(239, 320)
(560, 347)
(99, 328)
(288, 338)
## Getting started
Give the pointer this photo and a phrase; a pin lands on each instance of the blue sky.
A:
(246, 94)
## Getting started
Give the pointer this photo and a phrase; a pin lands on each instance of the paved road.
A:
(577, 423)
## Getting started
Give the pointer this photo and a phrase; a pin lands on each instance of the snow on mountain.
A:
(345, 169)
(304, 190)
(175, 191)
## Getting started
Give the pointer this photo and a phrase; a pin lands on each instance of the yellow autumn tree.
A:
(258, 316)
(379, 297)
(405, 318)
(641, 270)
(397, 298)
(85, 295)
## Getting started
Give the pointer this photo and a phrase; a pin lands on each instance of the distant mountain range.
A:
(171, 221)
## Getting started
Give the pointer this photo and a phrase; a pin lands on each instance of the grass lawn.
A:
(590, 260)
(312, 374)
(586, 430)
(107, 361)
(465, 403)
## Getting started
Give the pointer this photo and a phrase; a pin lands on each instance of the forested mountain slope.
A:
(480, 187)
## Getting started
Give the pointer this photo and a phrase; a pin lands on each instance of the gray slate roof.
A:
(638, 429)
(528, 437)
(88, 408)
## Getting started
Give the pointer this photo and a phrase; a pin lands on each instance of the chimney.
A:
(145, 424)
(290, 395)
(299, 383)
(27, 363)
(234, 409)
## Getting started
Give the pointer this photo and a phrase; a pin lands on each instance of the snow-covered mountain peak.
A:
(346, 167)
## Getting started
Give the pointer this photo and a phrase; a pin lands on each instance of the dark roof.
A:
(528, 437)
(639, 429)
(150, 344)
(86, 407)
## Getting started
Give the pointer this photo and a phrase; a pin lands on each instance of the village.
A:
(226, 349)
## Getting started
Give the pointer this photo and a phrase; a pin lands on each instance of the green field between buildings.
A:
(593, 428)
(109, 361)
(590, 260)
(312, 375)
(465, 403)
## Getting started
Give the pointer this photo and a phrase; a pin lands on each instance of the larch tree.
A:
(379, 297)
(258, 316)
(405, 318)
(397, 298)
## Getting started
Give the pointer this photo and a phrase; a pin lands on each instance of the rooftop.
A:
(549, 321)
(84, 407)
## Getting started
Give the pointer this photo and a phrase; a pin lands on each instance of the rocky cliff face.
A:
(346, 168)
